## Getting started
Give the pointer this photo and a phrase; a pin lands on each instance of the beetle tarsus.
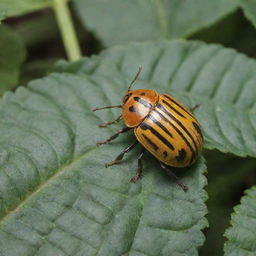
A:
(174, 177)
(184, 187)
(138, 175)
(135, 178)
(194, 107)
(112, 163)
(101, 142)
(121, 155)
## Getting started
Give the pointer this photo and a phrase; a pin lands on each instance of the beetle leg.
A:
(117, 106)
(111, 122)
(140, 167)
(194, 107)
(125, 129)
(174, 177)
(121, 155)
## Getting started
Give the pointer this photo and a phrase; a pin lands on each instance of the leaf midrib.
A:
(47, 182)
(162, 18)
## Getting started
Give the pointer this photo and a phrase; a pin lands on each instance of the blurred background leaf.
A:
(11, 8)
(249, 7)
(233, 31)
(228, 176)
(139, 20)
(12, 56)
(241, 235)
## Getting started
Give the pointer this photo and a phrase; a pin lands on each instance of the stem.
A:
(67, 30)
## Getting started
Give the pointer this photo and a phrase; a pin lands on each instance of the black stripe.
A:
(174, 109)
(160, 125)
(160, 106)
(198, 129)
(150, 142)
(180, 133)
(143, 102)
(179, 105)
(145, 126)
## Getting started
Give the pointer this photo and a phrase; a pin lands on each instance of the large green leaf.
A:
(12, 55)
(11, 8)
(139, 20)
(56, 196)
(220, 79)
(249, 7)
(241, 236)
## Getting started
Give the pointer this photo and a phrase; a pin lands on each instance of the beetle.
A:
(162, 125)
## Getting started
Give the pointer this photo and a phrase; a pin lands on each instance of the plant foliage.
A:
(12, 55)
(241, 236)
(249, 7)
(58, 198)
(15, 8)
(125, 21)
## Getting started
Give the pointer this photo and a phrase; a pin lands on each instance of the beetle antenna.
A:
(135, 78)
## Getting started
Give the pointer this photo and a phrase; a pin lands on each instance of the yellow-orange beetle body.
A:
(162, 125)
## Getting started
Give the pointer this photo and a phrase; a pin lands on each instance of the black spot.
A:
(143, 94)
(197, 128)
(132, 109)
(165, 154)
(182, 155)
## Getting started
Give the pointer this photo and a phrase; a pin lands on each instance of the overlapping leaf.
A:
(249, 7)
(12, 54)
(125, 21)
(241, 236)
(57, 198)
(11, 8)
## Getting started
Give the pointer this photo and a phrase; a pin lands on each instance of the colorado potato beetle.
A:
(162, 125)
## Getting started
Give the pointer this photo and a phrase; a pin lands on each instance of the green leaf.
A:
(227, 175)
(139, 20)
(12, 55)
(14, 8)
(57, 198)
(219, 79)
(241, 236)
(249, 8)
(2, 16)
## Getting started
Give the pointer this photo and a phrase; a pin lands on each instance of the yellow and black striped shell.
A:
(167, 129)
